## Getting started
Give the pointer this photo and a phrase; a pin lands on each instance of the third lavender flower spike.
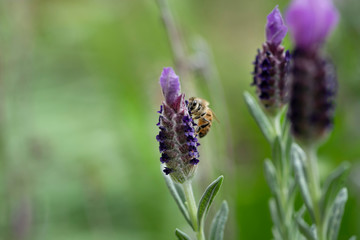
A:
(313, 76)
(177, 139)
(271, 65)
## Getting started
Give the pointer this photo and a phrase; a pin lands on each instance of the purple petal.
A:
(275, 27)
(311, 21)
(194, 161)
(170, 85)
(167, 170)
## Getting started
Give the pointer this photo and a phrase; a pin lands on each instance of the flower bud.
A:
(177, 140)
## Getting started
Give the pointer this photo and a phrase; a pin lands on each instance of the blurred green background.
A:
(78, 99)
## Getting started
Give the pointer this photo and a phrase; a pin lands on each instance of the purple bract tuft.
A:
(177, 138)
(170, 86)
(311, 21)
(275, 27)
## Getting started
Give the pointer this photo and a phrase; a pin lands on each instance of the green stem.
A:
(314, 186)
(192, 208)
(288, 226)
(200, 234)
(283, 163)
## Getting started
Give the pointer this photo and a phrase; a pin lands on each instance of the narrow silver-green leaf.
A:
(261, 119)
(285, 128)
(207, 198)
(332, 185)
(314, 230)
(277, 155)
(296, 149)
(276, 233)
(177, 192)
(219, 221)
(352, 238)
(292, 188)
(270, 175)
(301, 180)
(275, 216)
(304, 228)
(180, 191)
(336, 214)
(181, 235)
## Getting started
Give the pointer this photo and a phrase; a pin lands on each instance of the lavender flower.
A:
(311, 21)
(177, 140)
(313, 76)
(271, 64)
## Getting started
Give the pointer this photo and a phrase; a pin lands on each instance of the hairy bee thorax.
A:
(200, 112)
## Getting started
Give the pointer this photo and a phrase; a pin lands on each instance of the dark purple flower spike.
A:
(177, 139)
(311, 107)
(271, 65)
(313, 77)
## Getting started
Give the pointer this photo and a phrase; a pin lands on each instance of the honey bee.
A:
(199, 110)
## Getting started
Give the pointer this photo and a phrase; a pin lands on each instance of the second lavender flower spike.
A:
(270, 76)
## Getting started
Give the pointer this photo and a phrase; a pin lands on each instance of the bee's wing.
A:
(215, 116)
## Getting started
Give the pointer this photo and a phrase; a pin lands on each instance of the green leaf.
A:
(292, 188)
(178, 195)
(332, 185)
(336, 213)
(285, 128)
(181, 235)
(219, 221)
(276, 234)
(274, 212)
(301, 180)
(180, 191)
(277, 155)
(261, 119)
(304, 228)
(296, 149)
(207, 198)
(270, 175)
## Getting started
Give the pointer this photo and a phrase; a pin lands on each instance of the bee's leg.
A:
(204, 125)
(206, 120)
(197, 117)
(197, 130)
